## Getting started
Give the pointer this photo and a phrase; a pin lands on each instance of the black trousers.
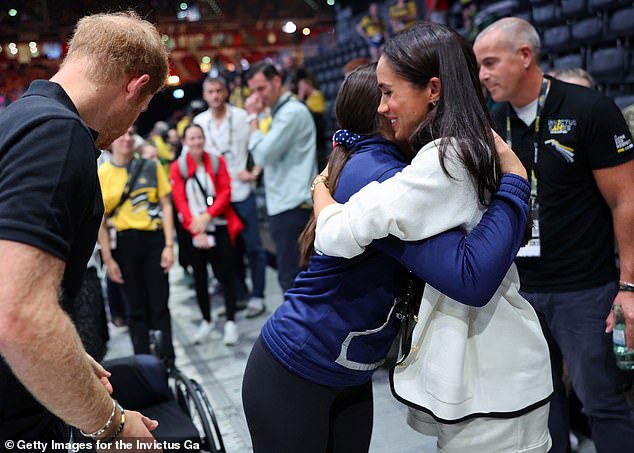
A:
(288, 414)
(146, 287)
(222, 260)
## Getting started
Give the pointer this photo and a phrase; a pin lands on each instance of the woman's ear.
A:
(434, 90)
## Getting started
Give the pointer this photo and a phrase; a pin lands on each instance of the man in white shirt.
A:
(227, 135)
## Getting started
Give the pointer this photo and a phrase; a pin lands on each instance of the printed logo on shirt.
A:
(561, 126)
(564, 151)
(622, 144)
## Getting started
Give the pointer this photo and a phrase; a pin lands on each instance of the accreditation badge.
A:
(533, 248)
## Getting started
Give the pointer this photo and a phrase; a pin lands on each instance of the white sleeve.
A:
(416, 203)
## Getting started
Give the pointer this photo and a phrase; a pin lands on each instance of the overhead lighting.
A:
(178, 94)
(306, 31)
(330, 2)
(173, 80)
(206, 59)
(289, 27)
(13, 12)
(183, 6)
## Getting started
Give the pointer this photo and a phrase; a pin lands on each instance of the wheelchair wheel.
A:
(193, 400)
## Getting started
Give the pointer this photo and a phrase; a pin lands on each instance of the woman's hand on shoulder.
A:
(509, 162)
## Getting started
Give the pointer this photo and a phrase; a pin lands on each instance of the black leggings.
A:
(222, 260)
(289, 414)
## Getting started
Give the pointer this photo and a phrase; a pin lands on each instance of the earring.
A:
(434, 103)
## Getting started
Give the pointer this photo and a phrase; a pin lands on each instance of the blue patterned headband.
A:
(345, 138)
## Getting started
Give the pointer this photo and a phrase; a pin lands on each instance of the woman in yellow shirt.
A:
(136, 199)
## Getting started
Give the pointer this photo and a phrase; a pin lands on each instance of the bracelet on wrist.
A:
(626, 286)
(169, 246)
(318, 180)
(106, 426)
(119, 429)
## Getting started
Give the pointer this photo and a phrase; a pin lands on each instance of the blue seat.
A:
(588, 30)
(622, 22)
(500, 9)
(526, 15)
(569, 61)
(608, 64)
(573, 8)
(556, 38)
(624, 100)
(545, 14)
(599, 5)
(546, 66)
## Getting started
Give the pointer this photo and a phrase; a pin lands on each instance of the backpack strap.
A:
(182, 164)
(215, 162)
(134, 170)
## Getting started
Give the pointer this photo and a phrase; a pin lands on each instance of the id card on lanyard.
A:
(533, 248)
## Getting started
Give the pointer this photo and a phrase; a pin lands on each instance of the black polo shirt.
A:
(581, 130)
(49, 199)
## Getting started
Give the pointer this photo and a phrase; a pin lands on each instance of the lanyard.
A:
(209, 200)
(210, 132)
(280, 105)
(540, 106)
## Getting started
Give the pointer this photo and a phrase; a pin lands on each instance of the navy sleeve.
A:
(44, 188)
(470, 268)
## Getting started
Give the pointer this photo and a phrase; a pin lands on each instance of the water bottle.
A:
(624, 356)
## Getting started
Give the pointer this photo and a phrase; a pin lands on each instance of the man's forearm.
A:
(623, 218)
(39, 342)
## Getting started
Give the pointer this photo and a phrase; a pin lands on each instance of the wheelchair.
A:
(186, 419)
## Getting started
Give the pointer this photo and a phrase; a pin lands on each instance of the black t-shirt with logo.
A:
(49, 199)
(581, 130)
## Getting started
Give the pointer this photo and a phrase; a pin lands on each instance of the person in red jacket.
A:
(202, 195)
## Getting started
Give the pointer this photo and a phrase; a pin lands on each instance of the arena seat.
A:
(588, 30)
(556, 38)
(573, 8)
(622, 22)
(545, 14)
(569, 61)
(600, 5)
(624, 100)
(607, 64)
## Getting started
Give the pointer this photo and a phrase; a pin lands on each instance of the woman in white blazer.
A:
(477, 377)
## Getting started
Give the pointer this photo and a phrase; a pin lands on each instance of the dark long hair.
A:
(434, 50)
(356, 109)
